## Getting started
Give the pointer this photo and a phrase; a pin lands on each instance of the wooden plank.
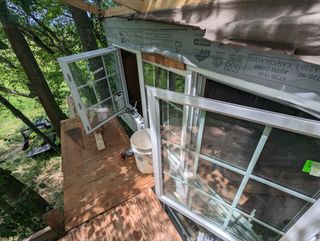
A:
(46, 234)
(162, 60)
(99, 140)
(95, 181)
(160, 5)
(132, 4)
(117, 11)
(71, 107)
(84, 6)
(55, 220)
(140, 218)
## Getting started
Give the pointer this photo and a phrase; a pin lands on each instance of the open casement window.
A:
(97, 85)
(220, 167)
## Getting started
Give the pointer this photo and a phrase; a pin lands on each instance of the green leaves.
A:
(26, 5)
(3, 45)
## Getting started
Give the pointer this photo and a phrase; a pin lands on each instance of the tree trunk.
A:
(12, 190)
(25, 120)
(31, 67)
(84, 29)
(89, 42)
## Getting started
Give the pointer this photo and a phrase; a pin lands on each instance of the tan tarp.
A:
(291, 26)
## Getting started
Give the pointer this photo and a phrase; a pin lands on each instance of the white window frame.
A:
(290, 99)
(188, 88)
(80, 107)
(267, 118)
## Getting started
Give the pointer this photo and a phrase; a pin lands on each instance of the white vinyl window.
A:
(169, 79)
(219, 170)
(97, 84)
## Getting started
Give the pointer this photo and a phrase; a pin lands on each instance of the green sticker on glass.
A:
(312, 168)
(307, 166)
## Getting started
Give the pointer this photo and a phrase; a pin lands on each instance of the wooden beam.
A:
(133, 6)
(159, 5)
(44, 234)
(136, 5)
(55, 220)
(84, 6)
(99, 140)
(160, 59)
(115, 11)
(71, 107)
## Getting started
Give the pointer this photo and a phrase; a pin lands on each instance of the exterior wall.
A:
(294, 81)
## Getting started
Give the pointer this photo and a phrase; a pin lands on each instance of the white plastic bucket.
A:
(142, 148)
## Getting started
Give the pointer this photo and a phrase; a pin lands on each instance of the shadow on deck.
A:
(96, 181)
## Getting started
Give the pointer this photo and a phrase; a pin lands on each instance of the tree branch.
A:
(51, 34)
(35, 39)
(8, 62)
(14, 92)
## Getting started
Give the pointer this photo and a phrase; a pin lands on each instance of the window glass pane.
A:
(148, 74)
(270, 205)
(96, 68)
(111, 63)
(102, 89)
(161, 78)
(176, 82)
(88, 96)
(218, 91)
(229, 139)
(108, 106)
(195, 200)
(86, 71)
(99, 114)
(283, 158)
(219, 181)
(119, 101)
(247, 230)
(115, 83)
(80, 73)
(171, 122)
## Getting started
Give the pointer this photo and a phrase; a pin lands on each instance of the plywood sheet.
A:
(95, 181)
(139, 218)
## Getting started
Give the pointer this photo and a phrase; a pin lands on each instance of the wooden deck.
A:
(140, 218)
(96, 181)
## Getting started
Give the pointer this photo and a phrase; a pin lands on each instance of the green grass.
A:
(42, 173)
(9, 124)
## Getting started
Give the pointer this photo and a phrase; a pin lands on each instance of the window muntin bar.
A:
(253, 161)
(222, 205)
(289, 154)
(277, 208)
(165, 78)
(241, 172)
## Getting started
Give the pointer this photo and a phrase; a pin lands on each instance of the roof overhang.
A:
(291, 27)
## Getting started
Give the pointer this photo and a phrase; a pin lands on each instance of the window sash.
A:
(266, 118)
(81, 108)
